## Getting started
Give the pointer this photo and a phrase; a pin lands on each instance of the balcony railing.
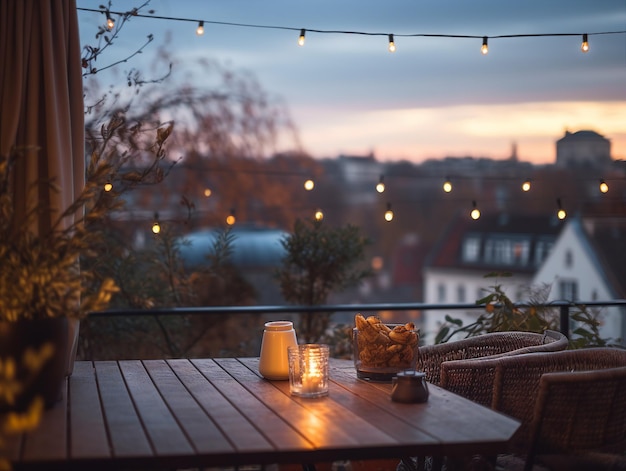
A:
(563, 306)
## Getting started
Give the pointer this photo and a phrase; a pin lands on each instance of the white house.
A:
(454, 272)
(588, 263)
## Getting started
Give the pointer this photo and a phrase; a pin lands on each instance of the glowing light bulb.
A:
(207, 192)
(230, 219)
(604, 187)
(319, 215)
(484, 49)
(110, 22)
(584, 46)
(156, 227)
(388, 213)
(526, 185)
(392, 45)
(561, 214)
(108, 186)
(301, 37)
(447, 186)
(200, 28)
(309, 185)
(475, 214)
(380, 186)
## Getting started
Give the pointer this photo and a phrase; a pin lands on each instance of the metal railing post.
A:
(564, 320)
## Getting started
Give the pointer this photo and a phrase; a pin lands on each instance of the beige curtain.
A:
(41, 102)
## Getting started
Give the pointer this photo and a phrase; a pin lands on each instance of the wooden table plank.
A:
(192, 418)
(162, 429)
(89, 437)
(451, 419)
(127, 435)
(326, 423)
(243, 433)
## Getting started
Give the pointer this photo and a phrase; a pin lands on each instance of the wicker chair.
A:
(568, 402)
(433, 357)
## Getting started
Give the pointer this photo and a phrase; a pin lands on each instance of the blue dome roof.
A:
(251, 246)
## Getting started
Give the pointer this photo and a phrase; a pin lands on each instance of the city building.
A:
(583, 149)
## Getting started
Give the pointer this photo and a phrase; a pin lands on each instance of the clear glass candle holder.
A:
(308, 370)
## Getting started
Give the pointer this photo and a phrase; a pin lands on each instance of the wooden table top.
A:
(219, 412)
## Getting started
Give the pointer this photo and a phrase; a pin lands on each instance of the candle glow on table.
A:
(308, 370)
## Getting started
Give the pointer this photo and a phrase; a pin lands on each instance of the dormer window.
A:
(471, 249)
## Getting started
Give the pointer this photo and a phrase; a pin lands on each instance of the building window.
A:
(568, 290)
(569, 259)
(471, 249)
(441, 293)
(460, 293)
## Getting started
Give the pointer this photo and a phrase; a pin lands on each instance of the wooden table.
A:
(220, 412)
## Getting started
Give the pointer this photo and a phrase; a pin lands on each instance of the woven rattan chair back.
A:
(431, 357)
(519, 382)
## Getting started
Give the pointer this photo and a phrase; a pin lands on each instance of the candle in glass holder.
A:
(308, 370)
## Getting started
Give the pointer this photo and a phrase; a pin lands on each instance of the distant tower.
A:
(513, 157)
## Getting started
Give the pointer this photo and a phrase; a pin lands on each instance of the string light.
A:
(380, 186)
(138, 14)
(526, 185)
(475, 214)
(585, 44)
(604, 187)
(301, 38)
(392, 45)
(108, 186)
(230, 219)
(110, 22)
(200, 28)
(561, 213)
(388, 213)
(319, 215)
(484, 49)
(207, 192)
(309, 185)
(156, 227)
(447, 185)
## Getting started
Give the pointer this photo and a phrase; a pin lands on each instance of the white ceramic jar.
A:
(273, 362)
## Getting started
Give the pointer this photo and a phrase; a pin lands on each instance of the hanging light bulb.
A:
(526, 185)
(584, 46)
(447, 185)
(475, 214)
(108, 186)
(392, 45)
(484, 49)
(561, 214)
(319, 215)
(309, 185)
(380, 186)
(207, 192)
(200, 28)
(230, 219)
(388, 213)
(604, 187)
(110, 22)
(156, 227)
(301, 38)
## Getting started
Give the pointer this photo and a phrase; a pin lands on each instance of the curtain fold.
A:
(41, 104)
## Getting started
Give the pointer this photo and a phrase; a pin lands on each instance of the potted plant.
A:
(46, 279)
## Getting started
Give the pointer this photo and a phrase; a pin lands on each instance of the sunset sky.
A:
(433, 97)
